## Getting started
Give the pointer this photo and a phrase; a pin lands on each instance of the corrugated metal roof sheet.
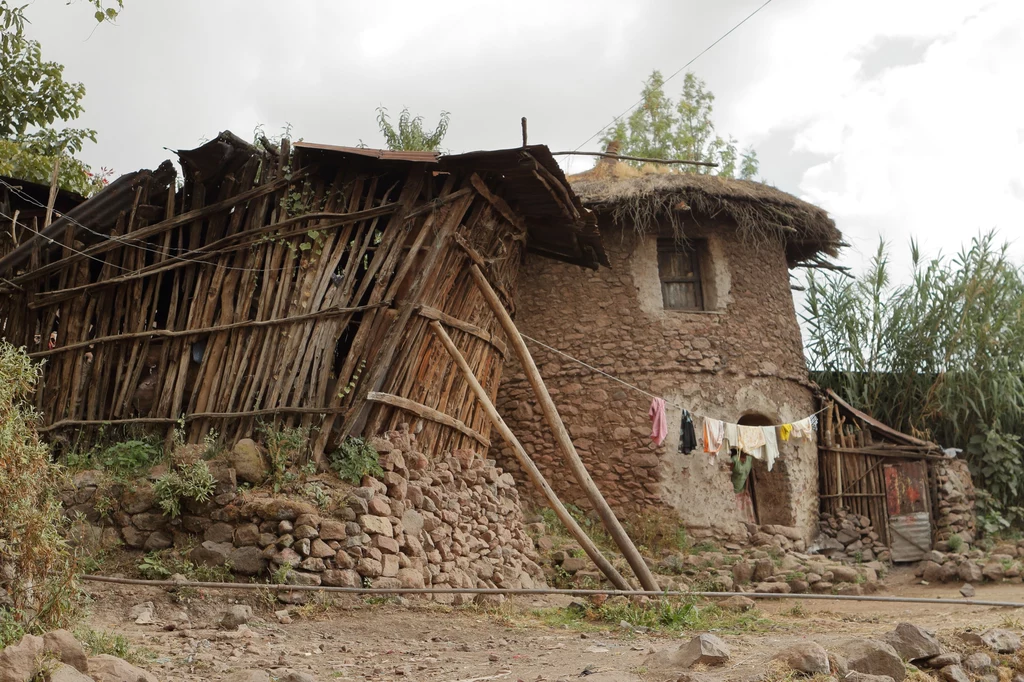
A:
(380, 154)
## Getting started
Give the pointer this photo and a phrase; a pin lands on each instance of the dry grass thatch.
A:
(644, 197)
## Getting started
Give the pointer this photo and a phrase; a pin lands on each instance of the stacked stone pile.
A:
(956, 503)
(454, 521)
(1005, 562)
(851, 536)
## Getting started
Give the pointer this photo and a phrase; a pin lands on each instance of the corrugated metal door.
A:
(906, 497)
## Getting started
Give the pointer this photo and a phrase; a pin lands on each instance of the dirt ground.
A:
(351, 639)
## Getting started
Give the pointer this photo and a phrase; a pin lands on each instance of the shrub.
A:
(191, 481)
(37, 568)
(285, 446)
(354, 459)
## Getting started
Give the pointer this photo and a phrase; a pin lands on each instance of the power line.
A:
(134, 243)
(677, 72)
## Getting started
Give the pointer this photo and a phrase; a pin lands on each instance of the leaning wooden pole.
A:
(536, 477)
(572, 458)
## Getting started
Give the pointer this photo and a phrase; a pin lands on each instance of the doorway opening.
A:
(769, 490)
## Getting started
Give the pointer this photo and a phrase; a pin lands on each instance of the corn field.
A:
(940, 356)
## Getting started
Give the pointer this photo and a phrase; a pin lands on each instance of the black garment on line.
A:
(687, 436)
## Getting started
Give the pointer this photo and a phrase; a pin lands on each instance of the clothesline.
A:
(637, 388)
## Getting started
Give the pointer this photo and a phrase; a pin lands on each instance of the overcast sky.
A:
(901, 118)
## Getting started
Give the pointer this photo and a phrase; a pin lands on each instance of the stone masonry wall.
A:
(744, 356)
(452, 522)
(955, 514)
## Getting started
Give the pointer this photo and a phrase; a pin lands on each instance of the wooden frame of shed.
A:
(294, 286)
(873, 470)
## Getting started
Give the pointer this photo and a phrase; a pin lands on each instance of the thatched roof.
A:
(651, 195)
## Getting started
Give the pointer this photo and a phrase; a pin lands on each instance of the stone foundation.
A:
(453, 522)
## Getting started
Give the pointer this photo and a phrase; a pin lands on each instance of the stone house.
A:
(695, 307)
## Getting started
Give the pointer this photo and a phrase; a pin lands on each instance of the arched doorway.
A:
(769, 490)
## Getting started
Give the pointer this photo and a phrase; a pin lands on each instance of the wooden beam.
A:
(572, 458)
(421, 410)
(536, 477)
(497, 202)
(482, 334)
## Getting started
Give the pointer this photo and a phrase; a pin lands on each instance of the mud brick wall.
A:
(451, 520)
(743, 356)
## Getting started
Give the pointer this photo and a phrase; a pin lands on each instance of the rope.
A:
(637, 388)
(536, 591)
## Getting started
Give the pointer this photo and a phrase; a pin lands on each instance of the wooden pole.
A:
(536, 477)
(53, 193)
(524, 131)
(572, 458)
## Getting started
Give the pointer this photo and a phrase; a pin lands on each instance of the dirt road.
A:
(351, 639)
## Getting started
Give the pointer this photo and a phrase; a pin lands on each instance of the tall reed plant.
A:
(940, 356)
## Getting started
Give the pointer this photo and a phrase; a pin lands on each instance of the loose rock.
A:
(912, 642)
(809, 658)
(872, 657)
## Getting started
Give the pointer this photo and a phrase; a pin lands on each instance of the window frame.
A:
(673, 246)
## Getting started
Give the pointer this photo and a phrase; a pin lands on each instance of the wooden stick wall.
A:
(274, 294)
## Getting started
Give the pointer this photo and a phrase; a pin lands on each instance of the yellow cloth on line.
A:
(785, 430)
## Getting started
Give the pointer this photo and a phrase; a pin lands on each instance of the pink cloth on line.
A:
(659, 424)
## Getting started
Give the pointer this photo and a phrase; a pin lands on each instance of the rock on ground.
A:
(18, 661)
(912, 642)
(809, 658)
(967, 591)
(107, 668)
(943, 660)
(978, 662)
(66, 673)
(248, 462)
(737, 603)
(872, 657)
(236, 615)
(704, 649)
(954, 673)
(66, 648)
(1001, 641)
(248, 676)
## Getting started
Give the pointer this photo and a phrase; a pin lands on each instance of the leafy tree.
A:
(410, 135)
(34, 99)
(661, 128)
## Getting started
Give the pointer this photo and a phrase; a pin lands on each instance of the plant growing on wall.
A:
(187, 481)
(354, 459)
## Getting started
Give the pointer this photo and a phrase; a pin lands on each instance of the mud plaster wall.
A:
(742, 357)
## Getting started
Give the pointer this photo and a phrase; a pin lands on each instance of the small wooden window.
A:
(679, 269)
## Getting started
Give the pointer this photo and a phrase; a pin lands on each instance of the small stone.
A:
(66, 648)
(809, 658)
(953, 673)
(283, 617)
(737, 603)
(18, 661)
(63, 673)
(142, 614)
(967, 591)
(943, 660)
(912, 642)
(978, 662)
(703, 649)
(872, 657)
(1001, 641)
(236, 615)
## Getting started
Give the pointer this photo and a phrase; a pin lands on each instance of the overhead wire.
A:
(133, 243)
(677, 72)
